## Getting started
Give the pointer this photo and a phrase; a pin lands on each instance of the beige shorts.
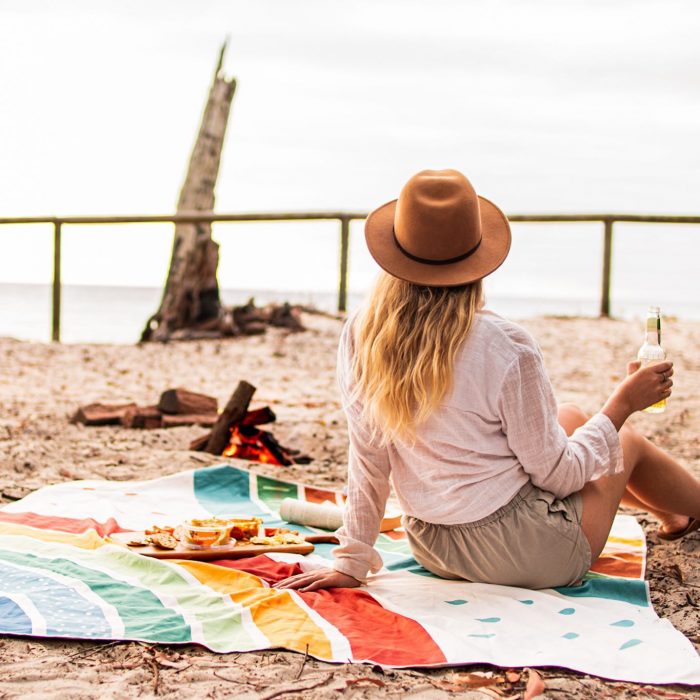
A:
(534, 541)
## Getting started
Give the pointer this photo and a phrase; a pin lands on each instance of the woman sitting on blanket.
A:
(453, 405)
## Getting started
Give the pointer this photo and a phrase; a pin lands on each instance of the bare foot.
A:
(673, 523)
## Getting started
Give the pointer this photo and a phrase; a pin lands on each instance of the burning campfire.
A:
(249, 442)
(234, 431)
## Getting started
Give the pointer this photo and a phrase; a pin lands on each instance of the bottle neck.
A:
(653, 330)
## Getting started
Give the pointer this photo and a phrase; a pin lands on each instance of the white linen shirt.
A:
(495, 429)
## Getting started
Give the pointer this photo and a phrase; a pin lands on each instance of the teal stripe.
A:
(224, 491)
(273, 491)
(143, 614)
(626, 590)
(222, 625)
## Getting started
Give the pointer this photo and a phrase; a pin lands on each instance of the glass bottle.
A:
(651, 351)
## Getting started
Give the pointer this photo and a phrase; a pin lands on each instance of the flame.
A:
(248, 442)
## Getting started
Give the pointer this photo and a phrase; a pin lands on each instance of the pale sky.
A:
(546, 105)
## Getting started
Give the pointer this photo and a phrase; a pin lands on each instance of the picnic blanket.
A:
(61, 577)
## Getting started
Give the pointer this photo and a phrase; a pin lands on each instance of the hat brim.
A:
(494, 247)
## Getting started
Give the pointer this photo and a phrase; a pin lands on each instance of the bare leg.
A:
(631, 501)
(650, 479)
(670, 522)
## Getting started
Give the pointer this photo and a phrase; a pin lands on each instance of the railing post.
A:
(607, 267)
(343, 279)
(56, 292)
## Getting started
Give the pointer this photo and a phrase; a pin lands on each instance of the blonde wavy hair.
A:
(405, 341)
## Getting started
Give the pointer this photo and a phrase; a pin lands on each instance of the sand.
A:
(41, 386)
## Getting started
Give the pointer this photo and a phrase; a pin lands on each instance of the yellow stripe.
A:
(625, 540)
(274, 612)
(283, 622)
(219, 578)
(85, 540)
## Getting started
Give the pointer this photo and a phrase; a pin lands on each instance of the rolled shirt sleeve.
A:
(553, 461)
(368, 490)
(368, 485)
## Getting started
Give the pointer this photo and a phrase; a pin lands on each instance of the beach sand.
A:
(42, 385)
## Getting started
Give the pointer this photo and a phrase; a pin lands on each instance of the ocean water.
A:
(111, 314)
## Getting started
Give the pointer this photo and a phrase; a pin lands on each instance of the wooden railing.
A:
(344, 218)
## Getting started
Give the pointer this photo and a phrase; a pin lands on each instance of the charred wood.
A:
(259, 416)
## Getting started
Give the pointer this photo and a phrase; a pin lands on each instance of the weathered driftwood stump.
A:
(191, 295)
(191, 307)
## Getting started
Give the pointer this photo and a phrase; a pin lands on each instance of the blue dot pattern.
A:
(66, 612)
(567, 611)
(13, 619)
(630, 643)
(130, 602)
(457, 601)
(622, 623)
(488, 619)
(570, 635)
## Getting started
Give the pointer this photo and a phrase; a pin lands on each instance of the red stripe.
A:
(261, 566)
(72, 525)
(374, 633)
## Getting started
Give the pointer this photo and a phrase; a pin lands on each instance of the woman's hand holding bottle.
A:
(643, 387)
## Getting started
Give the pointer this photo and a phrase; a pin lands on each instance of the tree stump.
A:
(191, 293)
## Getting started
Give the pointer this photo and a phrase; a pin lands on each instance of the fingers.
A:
(299, 580)
(293, 581)
(633, 366)
(315, 586)
(664, 376)
(315, 580)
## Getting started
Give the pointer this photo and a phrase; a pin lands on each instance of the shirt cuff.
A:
(352, 568)
(615, 464)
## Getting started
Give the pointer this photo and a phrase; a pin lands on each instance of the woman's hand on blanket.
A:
(320, 578)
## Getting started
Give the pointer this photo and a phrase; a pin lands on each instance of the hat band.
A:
(428, 261)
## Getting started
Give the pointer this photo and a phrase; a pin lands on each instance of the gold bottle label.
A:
(653, 326)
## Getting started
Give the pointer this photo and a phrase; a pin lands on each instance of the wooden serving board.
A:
(234, 551)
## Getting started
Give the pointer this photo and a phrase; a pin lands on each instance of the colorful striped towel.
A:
(61, 577)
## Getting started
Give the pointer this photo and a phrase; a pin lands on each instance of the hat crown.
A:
(437, 216)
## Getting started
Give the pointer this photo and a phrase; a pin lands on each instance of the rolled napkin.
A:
(327, 515)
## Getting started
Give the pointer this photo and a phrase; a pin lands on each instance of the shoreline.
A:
(116, 315)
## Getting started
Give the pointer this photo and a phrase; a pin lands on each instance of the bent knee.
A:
(572, 409)
(571, 417)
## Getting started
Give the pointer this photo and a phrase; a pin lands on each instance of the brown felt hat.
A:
(439, 232)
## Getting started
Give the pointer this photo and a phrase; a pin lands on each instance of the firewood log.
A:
(181, 401)
(234, 412)
(198, 444)
(205, 419)
(147, 417)
(101, 414)
(259, 416)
